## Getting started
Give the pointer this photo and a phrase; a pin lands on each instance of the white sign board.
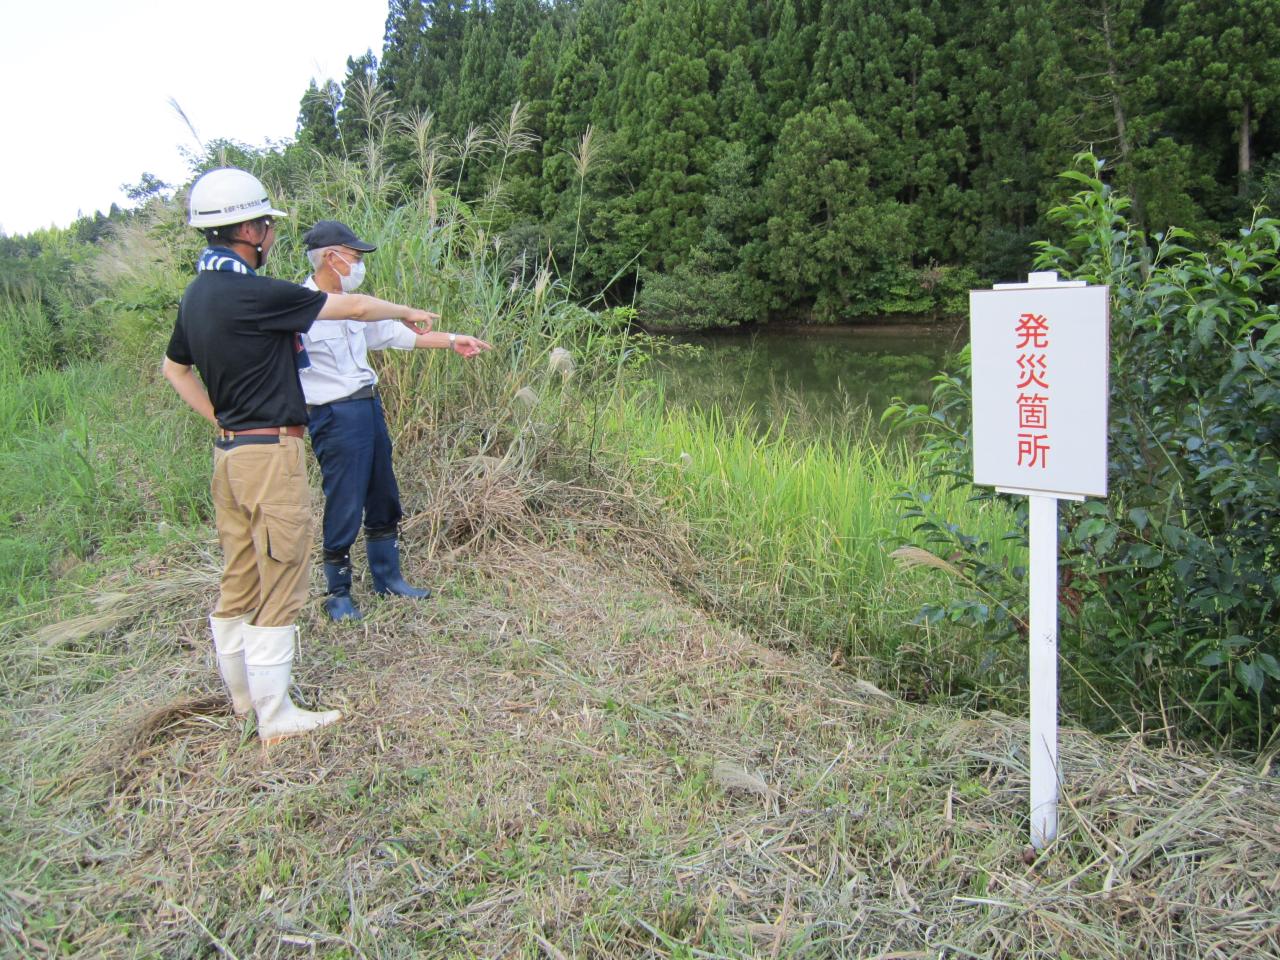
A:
(1040, 362)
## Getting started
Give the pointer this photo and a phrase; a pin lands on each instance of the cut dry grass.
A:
(557, 757)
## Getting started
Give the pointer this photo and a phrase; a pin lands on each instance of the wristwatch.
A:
(453, 338)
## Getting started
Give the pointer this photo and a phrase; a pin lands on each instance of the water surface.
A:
(822, 372)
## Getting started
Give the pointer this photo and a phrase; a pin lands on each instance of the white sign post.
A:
(1040, 365)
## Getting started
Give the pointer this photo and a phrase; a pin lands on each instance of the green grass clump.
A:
(798, 531)
(94, 463)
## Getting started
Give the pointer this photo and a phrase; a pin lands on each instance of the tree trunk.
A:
(1245, 160)
(1117, 108)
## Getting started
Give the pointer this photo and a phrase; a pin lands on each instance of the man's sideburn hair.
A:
(230, 233)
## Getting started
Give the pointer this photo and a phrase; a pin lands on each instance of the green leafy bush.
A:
(1169, 587)
(696, 295)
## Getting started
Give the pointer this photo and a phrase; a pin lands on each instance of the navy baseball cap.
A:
(334, 233)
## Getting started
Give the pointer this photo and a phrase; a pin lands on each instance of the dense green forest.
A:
(729, 161)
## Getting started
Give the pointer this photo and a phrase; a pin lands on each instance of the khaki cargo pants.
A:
(262, 509)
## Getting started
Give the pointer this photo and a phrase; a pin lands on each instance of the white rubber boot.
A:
(228, 643)
(268, 657)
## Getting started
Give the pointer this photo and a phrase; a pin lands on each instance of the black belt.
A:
(240, 440)
(364, 393)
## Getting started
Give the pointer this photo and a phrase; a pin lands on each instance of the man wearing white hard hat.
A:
(241, 332)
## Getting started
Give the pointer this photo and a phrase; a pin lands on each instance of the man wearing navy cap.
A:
(348, 430)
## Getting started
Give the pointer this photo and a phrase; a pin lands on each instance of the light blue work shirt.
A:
(339, 351)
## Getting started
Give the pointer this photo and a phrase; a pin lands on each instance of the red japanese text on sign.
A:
(1033, 411)
(1032, 330)
(1032, 368)
(1033, 451)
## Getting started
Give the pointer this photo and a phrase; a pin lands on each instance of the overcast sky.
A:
(86, 108)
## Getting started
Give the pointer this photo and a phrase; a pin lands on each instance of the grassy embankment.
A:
(560, 755)
(805, 530)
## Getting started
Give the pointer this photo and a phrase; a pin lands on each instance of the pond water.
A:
(823, 372)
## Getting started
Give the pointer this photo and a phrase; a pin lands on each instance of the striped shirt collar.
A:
(221, 258)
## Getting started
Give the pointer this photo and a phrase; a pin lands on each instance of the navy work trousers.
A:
(354, 450)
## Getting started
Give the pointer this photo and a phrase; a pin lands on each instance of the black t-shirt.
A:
(240, 331)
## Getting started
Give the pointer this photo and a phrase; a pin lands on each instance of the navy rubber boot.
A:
(384, 564)
(337, 602)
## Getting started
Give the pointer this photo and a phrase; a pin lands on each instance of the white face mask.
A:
(351, 282)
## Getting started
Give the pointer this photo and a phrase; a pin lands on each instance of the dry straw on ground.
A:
(558, 757)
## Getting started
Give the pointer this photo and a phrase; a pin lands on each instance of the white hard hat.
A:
(225, 196)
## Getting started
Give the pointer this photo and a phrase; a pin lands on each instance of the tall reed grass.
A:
(445, 254)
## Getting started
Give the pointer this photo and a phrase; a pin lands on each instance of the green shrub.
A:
(1169, 586)
(696, 295)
